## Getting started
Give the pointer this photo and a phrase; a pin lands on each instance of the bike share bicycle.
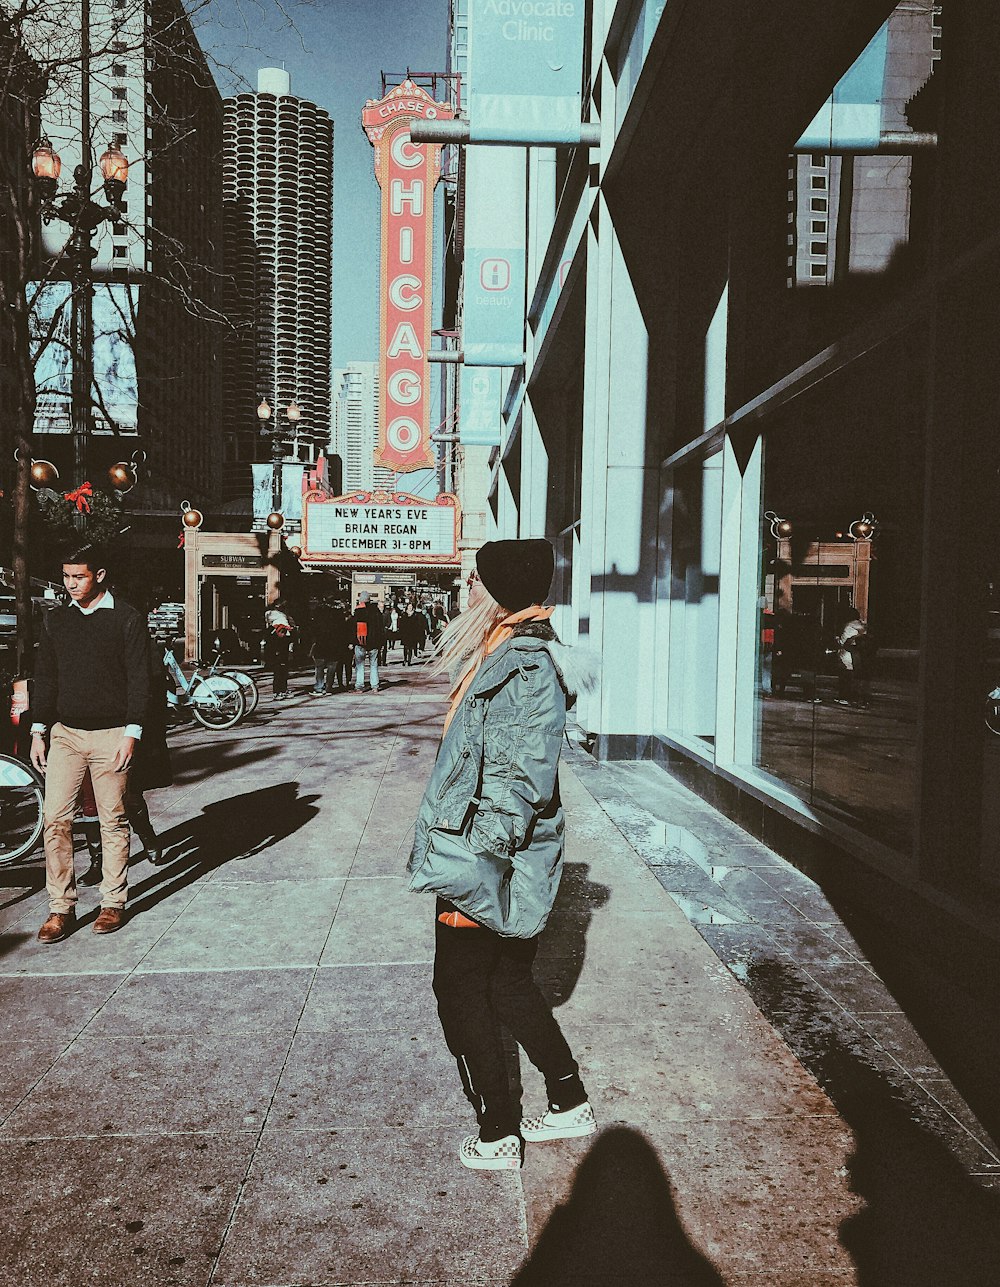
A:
(22, 794)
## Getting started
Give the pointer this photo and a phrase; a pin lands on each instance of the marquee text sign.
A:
(407, 174)
(384, 528)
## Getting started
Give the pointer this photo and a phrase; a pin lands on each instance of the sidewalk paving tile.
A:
(725, 1066)
(285, 923)
(85, 952)
(389, 1082)
(211, 1001)
(34, 1007)
(372, 998)
(326, 1207)
(151, 1210)
(150, 1085)
(25, 1063)
(378, 920)
(759, 1195)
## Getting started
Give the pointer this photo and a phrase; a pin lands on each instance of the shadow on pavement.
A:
(27, 879)
(925, 1222)
(11, 942)
(620, 1227)
(226, 830)
(562, 948)
(195, 763)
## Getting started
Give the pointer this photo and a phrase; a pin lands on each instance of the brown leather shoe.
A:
(58, 926)
(108, 920)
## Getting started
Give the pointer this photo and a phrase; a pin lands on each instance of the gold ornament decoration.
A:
(43, 474)
(121, 476)
(296, 550)
(191, 517)
(275, 521)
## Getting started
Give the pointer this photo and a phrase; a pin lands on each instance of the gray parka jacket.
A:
(489, 832)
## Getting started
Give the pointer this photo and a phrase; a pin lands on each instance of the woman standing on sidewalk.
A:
(489, 844)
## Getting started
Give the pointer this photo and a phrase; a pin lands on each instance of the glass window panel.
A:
(695, 499)
(838, 644)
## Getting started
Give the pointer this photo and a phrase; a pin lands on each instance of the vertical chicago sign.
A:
(407, 174)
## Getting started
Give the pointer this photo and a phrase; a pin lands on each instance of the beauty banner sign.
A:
(382, 528)
(407, 174)
(526, 70)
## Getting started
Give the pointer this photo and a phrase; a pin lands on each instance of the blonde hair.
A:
(461, 647)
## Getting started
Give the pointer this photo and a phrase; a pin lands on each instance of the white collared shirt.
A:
(107, 600)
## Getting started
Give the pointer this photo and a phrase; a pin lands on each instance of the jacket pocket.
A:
(454, 772)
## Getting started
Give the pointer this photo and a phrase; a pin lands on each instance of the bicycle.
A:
(22, 792)
(215, 701)
(246, 681)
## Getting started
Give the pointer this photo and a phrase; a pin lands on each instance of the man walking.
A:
(369, 635)
(91, 697)
(324, 647)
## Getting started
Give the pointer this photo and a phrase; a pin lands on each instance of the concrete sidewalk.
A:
(247, 1084)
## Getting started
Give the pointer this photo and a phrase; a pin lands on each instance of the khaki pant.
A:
(71, 752)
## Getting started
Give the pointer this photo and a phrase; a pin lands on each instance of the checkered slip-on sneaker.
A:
(503, 1155)
(571, 1125)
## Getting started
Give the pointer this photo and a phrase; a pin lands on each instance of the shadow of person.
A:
(562, 948)
(224, 831)
(926, 1222)
(620, 1227)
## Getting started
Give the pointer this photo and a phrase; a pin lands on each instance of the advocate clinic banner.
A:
(407, 174)
(526, 69)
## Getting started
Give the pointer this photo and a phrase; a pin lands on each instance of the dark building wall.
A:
(180, 323)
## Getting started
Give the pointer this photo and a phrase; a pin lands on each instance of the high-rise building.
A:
(355, 410)
(278, 212)
(156, 267)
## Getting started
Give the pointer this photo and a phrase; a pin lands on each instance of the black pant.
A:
(407, 654)
(482, 980)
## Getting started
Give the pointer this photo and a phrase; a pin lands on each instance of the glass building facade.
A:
(760, 416)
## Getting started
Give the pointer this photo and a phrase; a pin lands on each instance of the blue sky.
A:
(335, 52)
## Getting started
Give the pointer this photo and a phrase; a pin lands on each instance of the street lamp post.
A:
(84, 216)
(293, 413)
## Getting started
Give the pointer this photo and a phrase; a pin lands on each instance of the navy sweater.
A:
(93, 670)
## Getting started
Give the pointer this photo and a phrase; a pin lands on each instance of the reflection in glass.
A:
(840, 591)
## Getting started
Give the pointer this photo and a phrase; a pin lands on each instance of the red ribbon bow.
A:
(81, 498)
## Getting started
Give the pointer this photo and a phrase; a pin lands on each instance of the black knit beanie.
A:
(516, 573)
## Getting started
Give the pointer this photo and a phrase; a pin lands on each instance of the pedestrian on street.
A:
(412, 633)
(852, 647)
(344, 655)
(278, 646)
(327, 639)
(488, 843)
(383, 652)
(150, 768)
(92, 699)
(369, 633)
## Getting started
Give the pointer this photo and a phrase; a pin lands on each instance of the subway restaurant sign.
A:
(385, 528)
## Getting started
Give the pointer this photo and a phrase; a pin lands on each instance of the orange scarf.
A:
(498, 635)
